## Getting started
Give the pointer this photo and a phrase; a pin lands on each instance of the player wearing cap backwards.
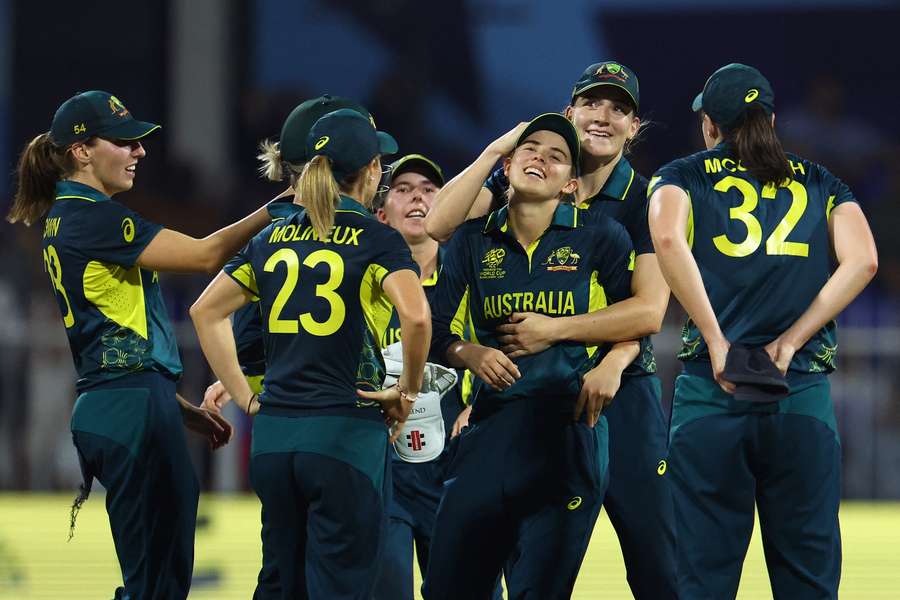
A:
(527, 476)
(326, 278)
(603, 108)
(102, 259)
(280, 161)
(744, 234)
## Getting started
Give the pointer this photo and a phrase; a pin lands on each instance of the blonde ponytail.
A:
(41, 165)
(270, 161)
(320, 194)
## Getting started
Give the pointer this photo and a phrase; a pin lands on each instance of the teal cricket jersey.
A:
(623, 198)
(112, 309)
(578, 265)
(323, 309)
(763, 251)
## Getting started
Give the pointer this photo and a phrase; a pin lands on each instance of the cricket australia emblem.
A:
(562, 259)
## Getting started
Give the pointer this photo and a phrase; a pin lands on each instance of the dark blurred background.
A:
(445, 78)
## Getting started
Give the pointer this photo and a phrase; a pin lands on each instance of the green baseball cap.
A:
(609, 73)
(99, 113)
(556, 123)
(297, 125)
(349, 139)
(417, 163)
(730, 90)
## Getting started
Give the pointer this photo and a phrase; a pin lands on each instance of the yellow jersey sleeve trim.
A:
(829, 207)
(245, 276)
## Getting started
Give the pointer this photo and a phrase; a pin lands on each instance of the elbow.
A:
(435, 232)
(870, 267)
(654, 320)
(665, 242)
(197, 312)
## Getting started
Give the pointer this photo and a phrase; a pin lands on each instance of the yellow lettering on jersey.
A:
(155, 278)
(51, 227)
(730, 165)
(391, 336)
(797, 167)
(276, 234)
(712, 165)
(545, 302)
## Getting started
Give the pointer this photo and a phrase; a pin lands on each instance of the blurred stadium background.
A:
(445, 78)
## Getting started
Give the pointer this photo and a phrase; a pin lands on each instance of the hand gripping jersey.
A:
(579, 264)
(623, 198)
(323, 308)
(112, 309)
(763, 251)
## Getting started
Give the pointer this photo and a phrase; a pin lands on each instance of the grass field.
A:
(37, 562)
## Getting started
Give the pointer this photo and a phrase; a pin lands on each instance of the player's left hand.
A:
(598, 388)
(526, 333)
(395, 407)
(210, 425)
(781, 352)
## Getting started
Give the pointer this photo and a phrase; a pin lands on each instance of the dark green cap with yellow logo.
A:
(349, 139)
(96, 113)
(609, 73)
(420, 164)
(731, 90)
(556, 123)
(295, 130)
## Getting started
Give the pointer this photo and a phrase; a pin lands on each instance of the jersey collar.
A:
(618, 183)
(78, 191)
(348, 204)
(565, 215)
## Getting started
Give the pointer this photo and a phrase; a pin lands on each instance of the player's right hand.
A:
(462, 421)
(395, 407)
(215, 397)
(506, 143)
(491, 365)
(718, 352)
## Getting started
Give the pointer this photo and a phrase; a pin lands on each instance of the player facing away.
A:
(527, 476)
(744, 233)
(325, 278)
(103, 259)
(280, 161)
(604, 105)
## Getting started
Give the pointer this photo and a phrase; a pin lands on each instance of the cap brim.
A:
(386, 143)
(129, 130)
(697, 104)
(418, 164)
(556, 123)
(590, 86)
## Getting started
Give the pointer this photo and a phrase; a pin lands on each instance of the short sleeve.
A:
(393, 253)
(112, 233)
(241, 270)
(837, 192)
(670, 174)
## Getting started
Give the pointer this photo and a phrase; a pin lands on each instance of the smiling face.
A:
(408, 201)
(541, 167)
(110, 164)
(605, 120)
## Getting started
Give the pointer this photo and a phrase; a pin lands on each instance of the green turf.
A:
(37, 562)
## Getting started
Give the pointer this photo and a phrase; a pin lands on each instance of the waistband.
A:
(702, 368)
